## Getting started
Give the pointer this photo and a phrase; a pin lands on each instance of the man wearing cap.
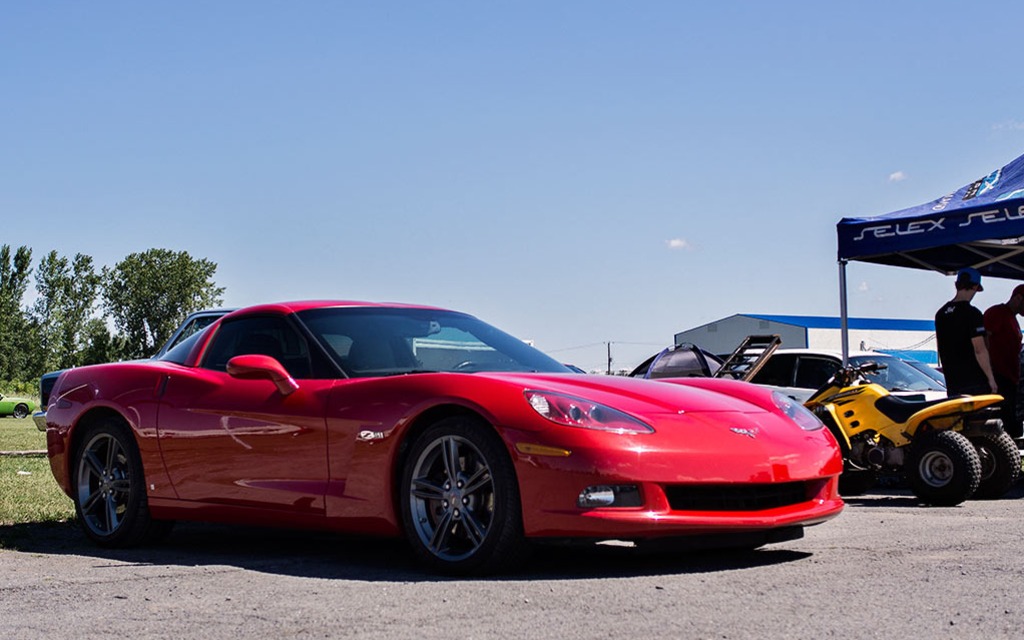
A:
(960, 334)
(1004, 342)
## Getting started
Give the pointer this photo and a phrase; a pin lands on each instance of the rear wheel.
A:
(21, 411)
(110, 488)
(944, 468)
(460, 500)
(1000, 463)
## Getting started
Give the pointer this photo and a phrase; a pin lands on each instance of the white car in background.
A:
(800, 372)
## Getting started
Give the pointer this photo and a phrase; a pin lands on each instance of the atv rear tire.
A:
(1000, 463)
(944, 468)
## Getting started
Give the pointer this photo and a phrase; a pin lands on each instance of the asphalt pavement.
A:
(887, 567)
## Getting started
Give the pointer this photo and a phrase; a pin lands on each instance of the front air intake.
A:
(736, 497)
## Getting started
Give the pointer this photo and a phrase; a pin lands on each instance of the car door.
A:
(242, 441)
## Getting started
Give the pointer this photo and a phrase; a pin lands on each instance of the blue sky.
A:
(573, 172)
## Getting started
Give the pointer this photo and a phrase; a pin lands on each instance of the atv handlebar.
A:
(846, 376)
(869, 367)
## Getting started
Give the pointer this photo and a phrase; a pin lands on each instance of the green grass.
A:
(28, 492)
(21, 435)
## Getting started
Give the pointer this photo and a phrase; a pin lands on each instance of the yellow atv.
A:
(948, 449)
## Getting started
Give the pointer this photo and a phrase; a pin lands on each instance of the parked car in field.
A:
(17, 407)
(395, 420)
(800, 372)
(194, 323)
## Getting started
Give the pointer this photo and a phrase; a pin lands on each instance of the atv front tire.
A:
(944, 468)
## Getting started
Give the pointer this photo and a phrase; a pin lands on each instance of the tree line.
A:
(84, 315)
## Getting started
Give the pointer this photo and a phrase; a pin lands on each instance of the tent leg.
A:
(843, 314)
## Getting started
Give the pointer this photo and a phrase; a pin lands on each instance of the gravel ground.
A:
(887, 567)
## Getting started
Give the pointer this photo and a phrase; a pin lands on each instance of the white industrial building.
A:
(907, 338)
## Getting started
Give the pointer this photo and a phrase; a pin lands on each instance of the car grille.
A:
(736, 497)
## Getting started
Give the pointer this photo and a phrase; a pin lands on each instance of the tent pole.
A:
(843, 314)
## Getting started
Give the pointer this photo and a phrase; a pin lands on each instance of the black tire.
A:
(856, 482)
(110, 488)
(21, 410)
(943, 467)
(460, 500)
(1000, 463)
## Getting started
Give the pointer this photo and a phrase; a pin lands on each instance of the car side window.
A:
(267, 336)
(812, 372)
(777, 372)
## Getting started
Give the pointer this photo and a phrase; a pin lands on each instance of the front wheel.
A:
(21, 411)
(110, 488)
(944, 468)
(1000, 463)
(460, 500)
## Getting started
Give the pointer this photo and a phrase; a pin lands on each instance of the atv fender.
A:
(949, 414)
(828, 416)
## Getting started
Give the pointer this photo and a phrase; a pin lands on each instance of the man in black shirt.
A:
(960, 334)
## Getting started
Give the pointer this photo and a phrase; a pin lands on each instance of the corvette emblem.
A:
(750, 433)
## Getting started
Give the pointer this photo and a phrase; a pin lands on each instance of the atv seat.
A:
(899, 410)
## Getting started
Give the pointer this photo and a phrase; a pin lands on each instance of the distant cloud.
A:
(679, 243)
(898, 176)
(1009, 125)
(863, 287)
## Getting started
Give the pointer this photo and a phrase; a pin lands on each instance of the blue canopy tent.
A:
(979, 225)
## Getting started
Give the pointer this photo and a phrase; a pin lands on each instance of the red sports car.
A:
(398, 420)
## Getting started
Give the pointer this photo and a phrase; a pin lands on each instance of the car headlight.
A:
(577, 412)
(797, 412)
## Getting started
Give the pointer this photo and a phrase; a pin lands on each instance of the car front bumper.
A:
(39, 417)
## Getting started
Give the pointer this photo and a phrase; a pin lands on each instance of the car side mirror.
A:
(257, 367)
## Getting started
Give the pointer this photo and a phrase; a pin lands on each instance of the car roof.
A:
(303, 305)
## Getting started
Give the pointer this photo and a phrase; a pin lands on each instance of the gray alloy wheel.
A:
(21, 411)
(110, 491)
(460, 500)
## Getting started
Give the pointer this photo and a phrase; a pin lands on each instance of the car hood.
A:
(640, 396)
(703, 420)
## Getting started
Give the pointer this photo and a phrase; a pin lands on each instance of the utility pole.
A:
(609, 345)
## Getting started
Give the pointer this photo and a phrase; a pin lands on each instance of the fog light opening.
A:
(623, 495)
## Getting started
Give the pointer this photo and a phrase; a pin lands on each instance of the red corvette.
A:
(400, 420)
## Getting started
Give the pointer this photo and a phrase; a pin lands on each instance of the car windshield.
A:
(369, 341)
(897, 375)
(181, 349)
(683, 361)
(929, 371)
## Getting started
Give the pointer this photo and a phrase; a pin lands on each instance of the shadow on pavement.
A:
(900, 496)
(334, 556)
